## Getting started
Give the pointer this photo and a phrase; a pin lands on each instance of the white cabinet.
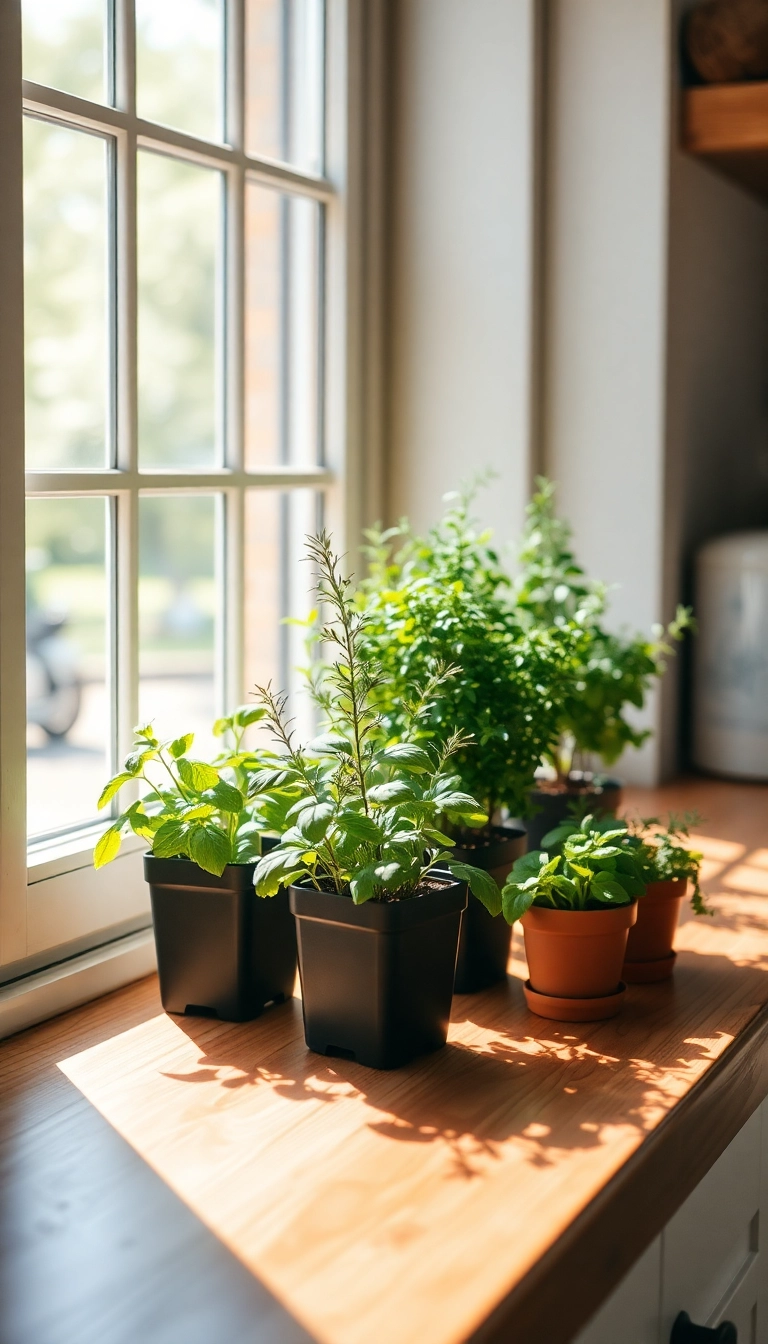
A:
(631, 1314)
(711, 1245)
(711, 1260)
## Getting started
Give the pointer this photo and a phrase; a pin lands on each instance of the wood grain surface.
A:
(727, 124)
(495, 1190)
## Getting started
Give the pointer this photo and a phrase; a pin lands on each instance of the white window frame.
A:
(53, 905)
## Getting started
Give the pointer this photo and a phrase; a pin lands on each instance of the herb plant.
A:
(362, 812)
(666, 856)
(445, 600)
(610, 671)
(660, 850)
(594, 869)
(190, 809)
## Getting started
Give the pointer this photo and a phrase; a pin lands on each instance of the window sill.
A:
(69, 853)
(34, 998)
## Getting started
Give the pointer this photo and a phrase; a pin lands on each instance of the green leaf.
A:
(146, 734)
(278, 868)
(359, 827)
(567, 889)
(197, 812)
(633, 885)
(265, 779)
(107, 847)
(516, 901)
(408, 756)
(312, 820)
(395, 791)
(226, 797)
(210, 849)
(221, 726)
(198, 775)
(580, 869)
(363, 885)
(273, 811)
(330, 744)
(560, 833)
(480, 883)
(180, 745)
(607, 888)
(438, 838)
(114, 786)
(171, 839)
(528, 865)
(245, 715)
(135, 762)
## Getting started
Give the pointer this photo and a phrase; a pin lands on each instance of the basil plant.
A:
(594, 867)
(189, 808)
(363, 815)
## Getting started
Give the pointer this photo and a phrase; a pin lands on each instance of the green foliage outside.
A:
(444, 601)
(612, 671)
(361, 813)
(594, 869)
(190, 808)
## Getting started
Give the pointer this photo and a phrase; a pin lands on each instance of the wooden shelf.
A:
(498, 1189)
(727, 124)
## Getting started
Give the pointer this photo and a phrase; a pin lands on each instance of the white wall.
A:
(462, 255)
(607, 82)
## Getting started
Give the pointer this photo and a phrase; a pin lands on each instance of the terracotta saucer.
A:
(574, 1010)
(647, 972)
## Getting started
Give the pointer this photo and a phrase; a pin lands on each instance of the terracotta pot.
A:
(651, 939)
(577, 954)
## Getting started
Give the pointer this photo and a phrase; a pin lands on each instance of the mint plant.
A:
(362, 811)
(659, 850)
(610, 672)
(190, 808)
(595, 868)
(444, 600)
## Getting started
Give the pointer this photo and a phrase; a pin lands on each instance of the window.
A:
(185, 207)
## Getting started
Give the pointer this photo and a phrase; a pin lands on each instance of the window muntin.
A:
(175, 408)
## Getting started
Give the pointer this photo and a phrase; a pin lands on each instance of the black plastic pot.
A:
(377, 979)
(484, 940)
(221, 949)
(549, 809)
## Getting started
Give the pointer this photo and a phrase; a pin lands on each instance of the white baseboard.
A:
(48, 993)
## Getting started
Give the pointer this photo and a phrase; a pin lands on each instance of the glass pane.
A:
(177, 615)
(68, 709)
(64, 45)
(179, 242)
(284, 79)
(278, 584)
(66, 298)
(282, 325)
(179, 64)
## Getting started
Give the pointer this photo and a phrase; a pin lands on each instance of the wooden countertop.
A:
(495, 1190)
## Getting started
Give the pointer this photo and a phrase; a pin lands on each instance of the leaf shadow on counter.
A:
(506, 1074)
